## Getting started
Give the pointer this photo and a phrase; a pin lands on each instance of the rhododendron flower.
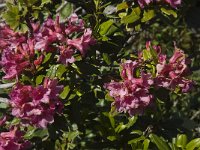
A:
(132, 94)
(36, 105)
(13, 140)
(13, 63)
(66, 55)
(9, 38)
(142, 3)
(173, 74)
(82, 43)
(173, 3)
(74, 24)
(54, 36)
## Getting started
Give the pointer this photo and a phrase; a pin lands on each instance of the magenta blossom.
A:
(173, 3)
(53, 36)
(132, 94)
(15, 61)
(171, 75)
(13, 140)
(36, 105)
(84, 42)
(9, 38)
(142, 3)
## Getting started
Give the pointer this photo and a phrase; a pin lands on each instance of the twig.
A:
(61, 7)
(2, 5)
(7, 85)
(4, 100)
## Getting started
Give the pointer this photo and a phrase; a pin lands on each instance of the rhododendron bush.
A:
(98, 74)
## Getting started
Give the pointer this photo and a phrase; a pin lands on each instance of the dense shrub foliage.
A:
(99, 74)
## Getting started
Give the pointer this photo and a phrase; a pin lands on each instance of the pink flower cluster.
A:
(54, 35)
(13, 140)
(36, 105)
(18, 50)
(132, 94)
(172, 3)
(171, 75)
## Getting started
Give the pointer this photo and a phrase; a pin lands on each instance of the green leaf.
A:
(39, 79)
(148, 15)
(45, 2)
(146, 54)
(66, 11)
(111, 138)
(146, 144)
(106, 58)
(61, 69)
(105, 26)
(122, 6)
(195, 143)
(154, 55)
(161, 144)
(136, 140)
(138, 132)
(131, 122)
(47, 57)
(65, 92)
(109, 98)
(169, 12)
(11, 16)
(3, 105)
(120, 127)
(134, 16)
(181, 141)
(52, 71)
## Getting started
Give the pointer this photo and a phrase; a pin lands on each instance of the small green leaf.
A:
(148, 15)
(39, 79)
(65, 92)
(61, 69)
(122, 6)
(111, 138)
(109, 98)
(146, 55)
(105, 26)
(106, 58)
(181, 141)
(169, 12)
(136, 140)
(45, 2)
(146, 144)
(195, 143)
(161, 144)
(66, 11)
(134, 16)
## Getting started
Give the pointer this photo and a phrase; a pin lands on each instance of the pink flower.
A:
(74, 24)
(132, 94)
(66, 55)
(54, 36)
(84, 42)
(36, 105)
(10, 39)
(13, 63)
(142, 3)
(173, 74)
(13, 140)
(173, 3)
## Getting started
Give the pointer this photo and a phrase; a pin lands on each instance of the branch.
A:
(2, 5)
